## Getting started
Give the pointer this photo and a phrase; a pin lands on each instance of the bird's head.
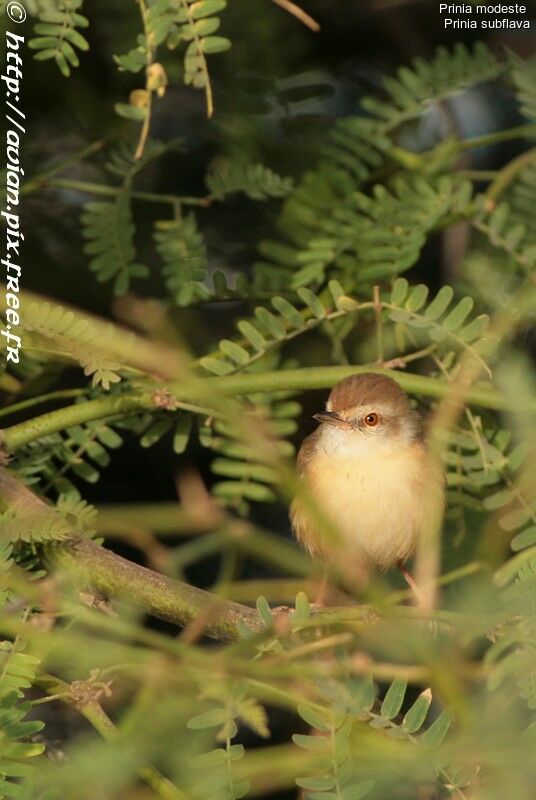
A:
(368, 411)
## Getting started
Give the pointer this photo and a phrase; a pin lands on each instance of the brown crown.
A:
(367, 389)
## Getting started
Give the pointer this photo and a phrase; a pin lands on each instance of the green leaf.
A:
(379, 722)
(204, 27)
(399, 315)
(209, 719)
(127, 111)
(440, 303)
(438, 729)
(234, 351)
(414, 718)
(265, 613)
(252, 335)
(336, 290)
(302, 609)
(320, 783)
(474, 329)
(345, 303)
(22, 750)
(358, 790)
(214, 758)
(231, 490)
(399, 291)
(526, 538)
(206, 8)
(393, 699)
(236, 752)
(182, 434)
(498, 499)
(459, 314)
(317, 744)
(364, 694)
(417, 297)
(272, 323)
(218, 366)
(155, 431)
(215, 44)
(288, 312)
(232, 468)
(314, 719)
(312, 301)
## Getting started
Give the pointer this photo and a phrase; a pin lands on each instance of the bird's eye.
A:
(372, 419)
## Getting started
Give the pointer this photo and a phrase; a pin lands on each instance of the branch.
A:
(114, 576)
(87, 704)
(306, 378)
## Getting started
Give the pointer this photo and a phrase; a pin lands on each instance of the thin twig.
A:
(144, 134)
(142, 398)
(508, 174)
(101, 722)
(299, 13)
(379, 323)
(86, 187)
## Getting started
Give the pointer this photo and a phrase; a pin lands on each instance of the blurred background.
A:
(276, 94)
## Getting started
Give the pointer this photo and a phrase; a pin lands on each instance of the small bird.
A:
(368, 471)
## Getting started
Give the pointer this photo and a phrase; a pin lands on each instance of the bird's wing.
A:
(306, 451)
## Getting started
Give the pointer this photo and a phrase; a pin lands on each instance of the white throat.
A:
(338, 443)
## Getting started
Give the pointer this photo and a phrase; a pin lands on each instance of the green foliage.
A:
(6, 562)
(77, 513)
(58, 36)
(196, 24)
(231, 707)
(351, 703)
(65, 331)
(328, 225)
(108, 230)
(268, 330)
(524, 77)
(523, 197)
(427, 82)
(332, 744)
(17, 673)
(255, 180)
(373, 238)
(504, 232)
(27, 527)
(379, 237)
(444, 323)
(181, 247)
(81, 450)
(245, 474)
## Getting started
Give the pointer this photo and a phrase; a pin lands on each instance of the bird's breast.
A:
(377, 504)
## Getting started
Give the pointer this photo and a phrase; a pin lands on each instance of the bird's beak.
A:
(332, 418)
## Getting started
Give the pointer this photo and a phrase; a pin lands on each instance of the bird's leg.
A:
(320, 599)
(408, 577)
